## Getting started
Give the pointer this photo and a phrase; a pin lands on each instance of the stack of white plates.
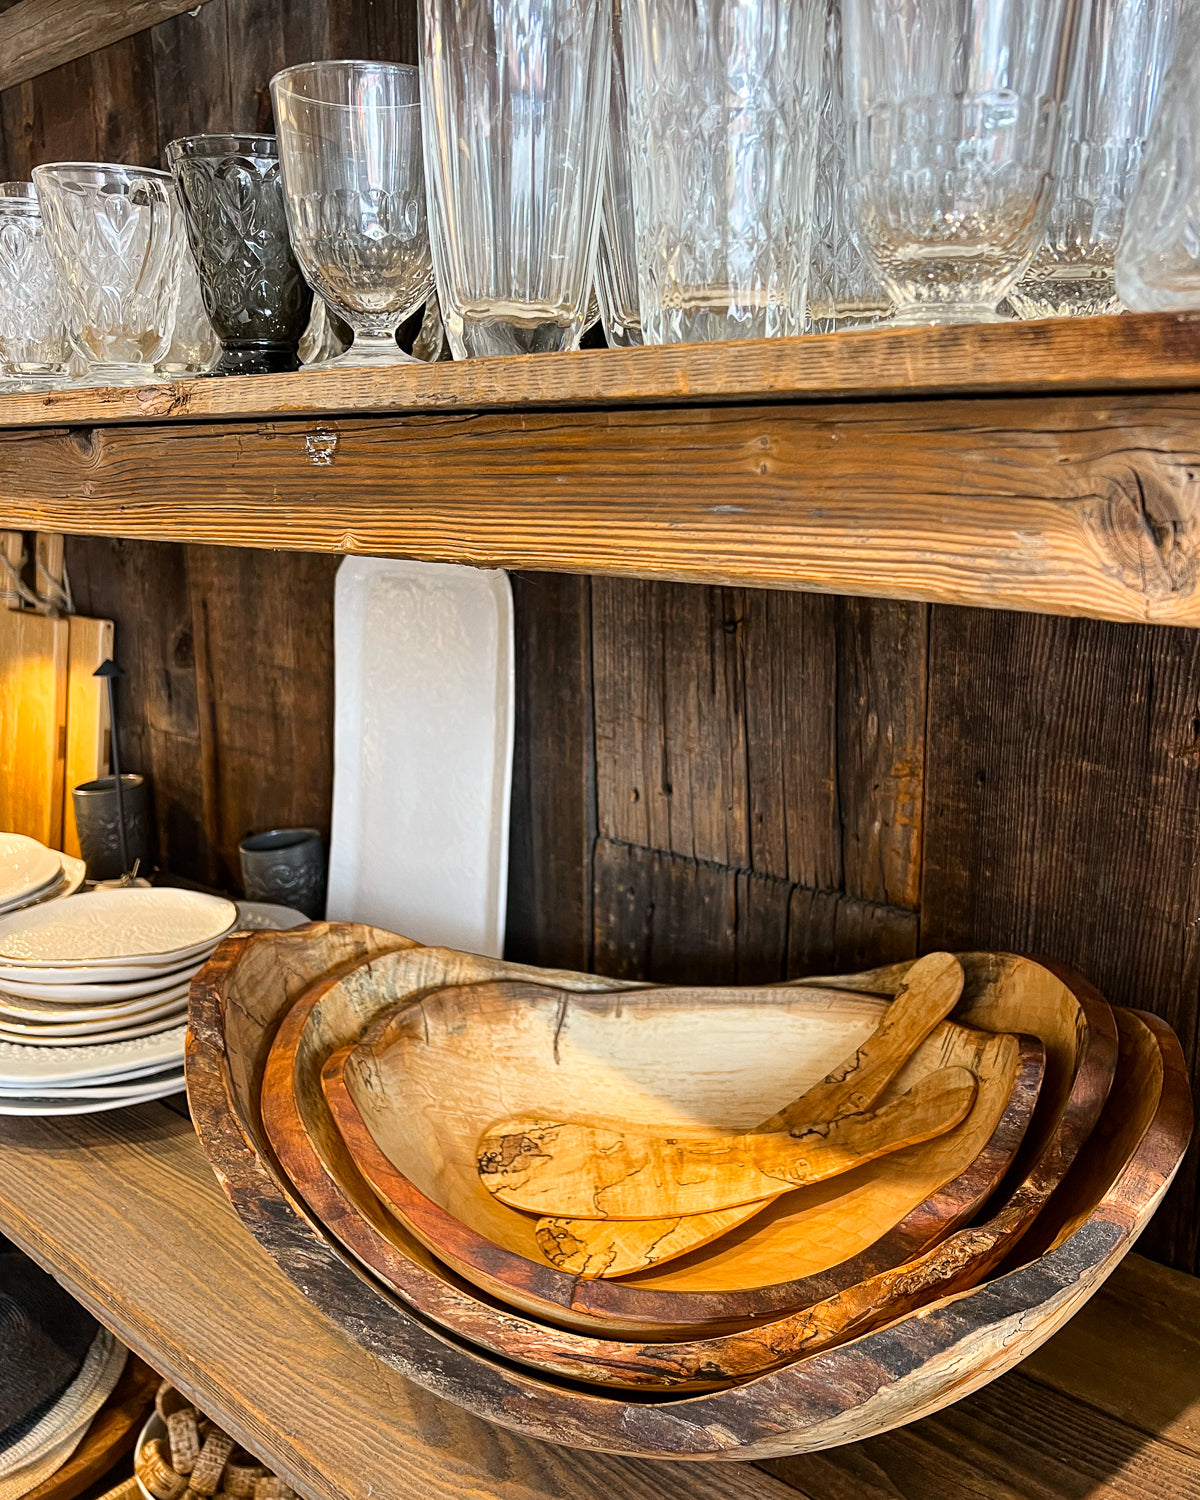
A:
(30, 873)
(93, 997)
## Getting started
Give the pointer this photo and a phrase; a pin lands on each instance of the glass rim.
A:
(106, 168)
(280, 80)
(225, 143)
(19, 193)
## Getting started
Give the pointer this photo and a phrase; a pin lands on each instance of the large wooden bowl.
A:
(879, 1381)
(414, 1096)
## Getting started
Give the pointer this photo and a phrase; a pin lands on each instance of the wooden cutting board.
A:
(90, 643)
(33, 724)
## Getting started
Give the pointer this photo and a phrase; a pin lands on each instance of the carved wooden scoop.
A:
(626, 1172)
(593, 1248)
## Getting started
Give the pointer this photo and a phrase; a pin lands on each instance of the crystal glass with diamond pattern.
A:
(254, 292)
(723, 98)
(33, 335)
(616, 257)
(194, 343)
(515, 95)
(1121, 52)
(115, 236)
(353, 179)
(1158, 258)
(952, 108)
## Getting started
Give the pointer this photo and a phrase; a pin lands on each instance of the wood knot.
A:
(1144, 523)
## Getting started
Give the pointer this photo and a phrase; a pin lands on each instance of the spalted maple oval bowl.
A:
(917, 1364)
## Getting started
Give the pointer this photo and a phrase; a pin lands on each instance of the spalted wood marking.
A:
(37, 35)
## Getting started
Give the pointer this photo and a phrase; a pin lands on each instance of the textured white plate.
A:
(26, 867)
(138, 1089)
(265, 916)
(85, 995)
(174, 1084)
(20, 1009)
(117, 1033)
(155, 927)
(422, 751)
(70, 877)
(17, 1028)
(28, 1067)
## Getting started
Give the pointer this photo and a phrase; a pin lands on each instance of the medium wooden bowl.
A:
(885, 1378)
(413, 1097)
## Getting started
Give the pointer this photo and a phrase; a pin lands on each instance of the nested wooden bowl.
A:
(915, 1365)
(425, 1081)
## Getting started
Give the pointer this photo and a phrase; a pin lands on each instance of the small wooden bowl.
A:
(914, 1366)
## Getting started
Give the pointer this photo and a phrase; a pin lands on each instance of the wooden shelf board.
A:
(125, 1211)
(1158, 351)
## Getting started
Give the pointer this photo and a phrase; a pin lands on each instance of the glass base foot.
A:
(925, 315)
(98, 376)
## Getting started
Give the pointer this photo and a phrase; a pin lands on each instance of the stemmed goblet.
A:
(353, 179)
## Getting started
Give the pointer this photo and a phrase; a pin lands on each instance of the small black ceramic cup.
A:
(254, 293)
(99, 827)
(287, 867)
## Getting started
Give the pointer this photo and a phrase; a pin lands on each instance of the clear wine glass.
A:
(115, 236)
(353, 178)
(33, 335)
(515, 95)
(723, 102)
(952, 108)
(1120, 55)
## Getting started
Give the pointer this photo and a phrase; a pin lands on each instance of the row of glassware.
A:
(725, 169)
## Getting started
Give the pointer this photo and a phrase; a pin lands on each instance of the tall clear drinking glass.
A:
(843, 289)
(952, 107)
(515, 97)
(1158, 258)
(616, 258)
(1122, 50)
(350, 150)
(33, 335)
(723, 101)
(115, 236)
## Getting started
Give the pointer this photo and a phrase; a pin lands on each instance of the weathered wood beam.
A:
(1069, 505)
(37, 35)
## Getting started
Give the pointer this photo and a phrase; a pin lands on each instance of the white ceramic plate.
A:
(172, 1085)
(265, 916)
(57, 1013)
(27, 1067)
(98, 992)
(422, 750)
(87, 979)
(153, 928)
(118, 1033)
(26, 868)
(17, 1028)
(135, 1090)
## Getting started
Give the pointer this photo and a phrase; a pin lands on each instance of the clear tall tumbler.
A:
(723, 101)
(353, 180)
(616, 259)
(515, 100)
(33, 336)
(1122, 50)
(952, 107)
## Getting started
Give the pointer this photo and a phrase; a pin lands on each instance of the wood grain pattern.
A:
(1147, 1139)
(33, 717)
(1074, 506)
(37, 35)
(1155, 351)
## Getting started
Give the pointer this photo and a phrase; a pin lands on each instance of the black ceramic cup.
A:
(254, 293)
(287, 867)
(100, 829)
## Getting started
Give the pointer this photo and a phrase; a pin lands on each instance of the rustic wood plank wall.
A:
(709, 783)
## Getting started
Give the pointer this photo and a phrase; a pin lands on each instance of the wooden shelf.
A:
(125, 1211)
(1043, 466)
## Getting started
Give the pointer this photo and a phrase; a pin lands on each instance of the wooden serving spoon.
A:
(626, 1172)
(595, 1248)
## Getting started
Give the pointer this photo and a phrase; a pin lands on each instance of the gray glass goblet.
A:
(254, 292)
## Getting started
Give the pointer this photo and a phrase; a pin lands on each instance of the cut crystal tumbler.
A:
(515, 97)
(952, 108)
(194, 343)
(254, 292)
(723, 99)
(33, 335)
(1158, 258)
(350, 148)
(115, 235)
(1121, 52)
(616, 258)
